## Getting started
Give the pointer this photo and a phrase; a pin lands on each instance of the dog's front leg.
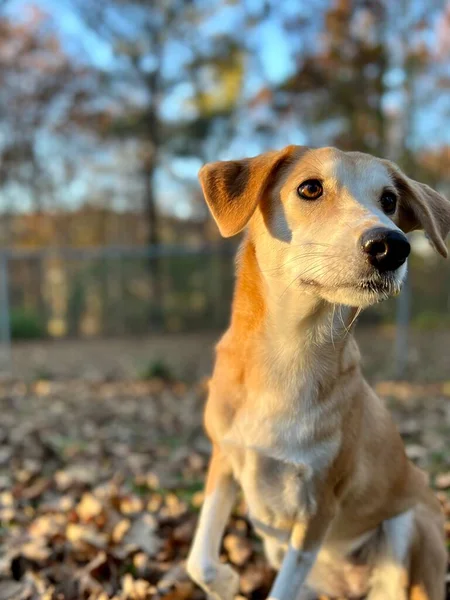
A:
(219, 581)
(304, 545)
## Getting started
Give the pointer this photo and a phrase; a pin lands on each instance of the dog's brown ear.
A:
(233, 189)
(421, 207)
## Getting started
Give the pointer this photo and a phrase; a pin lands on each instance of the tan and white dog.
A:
(292, 420)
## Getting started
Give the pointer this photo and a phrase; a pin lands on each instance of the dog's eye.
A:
(388, 202)
(310, 189)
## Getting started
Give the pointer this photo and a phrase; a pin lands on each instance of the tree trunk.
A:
(150, 162)
(153, 239)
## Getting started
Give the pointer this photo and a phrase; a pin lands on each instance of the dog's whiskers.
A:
(314, 270)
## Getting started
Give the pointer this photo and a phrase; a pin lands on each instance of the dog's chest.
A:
(276, 458)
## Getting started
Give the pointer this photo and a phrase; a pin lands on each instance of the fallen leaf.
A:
(120, 530)
(135, 589)
(89, 507)
(197, 499)
(239, 549)
(175, 585)
(415, 452)
(155, 503)
(142, 535)
(75, 475)
(6, 499)
(100, 559)
(48, 525)
(11, 590)
(5, 455)
(131, 505)
(443, 481)
(251, 579)
(36, 550)
(84, 534)
(7, 514)
(36, 489)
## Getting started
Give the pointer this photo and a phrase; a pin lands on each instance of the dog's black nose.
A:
(386, 249)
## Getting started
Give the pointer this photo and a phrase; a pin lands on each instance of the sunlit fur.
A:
(341, 510)
(313, 246)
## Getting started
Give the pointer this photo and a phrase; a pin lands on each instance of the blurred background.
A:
(109, 107)
(115, 284)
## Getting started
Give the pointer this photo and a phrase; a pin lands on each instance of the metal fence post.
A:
(5, 325)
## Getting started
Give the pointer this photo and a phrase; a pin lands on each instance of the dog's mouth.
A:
(384, 286)
(374, 288)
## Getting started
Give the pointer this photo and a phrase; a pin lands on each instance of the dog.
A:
(292, 421)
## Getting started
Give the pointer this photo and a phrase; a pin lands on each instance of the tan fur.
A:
(291, 418)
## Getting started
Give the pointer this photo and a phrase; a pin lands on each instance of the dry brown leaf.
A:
(6, 499)
(155, 503)
(181, 591)
(184, 533)
(251, 579)
(120, 530)
(48, 525)
(11, 590)
(415, 451)
(100, 596)
(197, 499)
(87, 583)
(85, 534)
(36, 489)
(140, 562)
(7, 514)
(5, 481)
(196, 462)
(100, 559)
(5, 455)
(131, 505)
(36, 550)
(135, 589)
(78, 474)
(175, 585)
(89, 507)
(443, 481)
(239, 549)
(142, 535)
(174, 507)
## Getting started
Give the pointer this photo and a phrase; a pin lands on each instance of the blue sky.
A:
(273, 49)
(85, 46)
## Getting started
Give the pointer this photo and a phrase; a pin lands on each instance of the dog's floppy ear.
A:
(421, 207)
(233, 189)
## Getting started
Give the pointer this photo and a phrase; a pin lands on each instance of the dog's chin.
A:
(362, 296)
(363, 292)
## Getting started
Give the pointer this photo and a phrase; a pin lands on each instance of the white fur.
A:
(388, 581)
(286, 434)
(203, 565)
(293, 573)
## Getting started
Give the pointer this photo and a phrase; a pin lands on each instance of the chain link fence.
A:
(123, 291)
(115, 291)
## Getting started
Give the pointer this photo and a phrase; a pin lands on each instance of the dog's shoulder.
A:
(226, 392)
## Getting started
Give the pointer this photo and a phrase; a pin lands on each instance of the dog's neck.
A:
(292, 334)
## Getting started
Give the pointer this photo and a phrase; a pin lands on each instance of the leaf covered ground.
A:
(100, 486)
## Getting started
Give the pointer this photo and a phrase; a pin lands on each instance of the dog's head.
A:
(326, 221)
